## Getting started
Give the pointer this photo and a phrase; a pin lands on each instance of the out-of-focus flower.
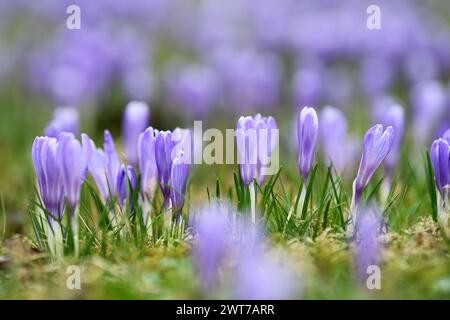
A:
(135, 121)
(73, 165)
(256, 139)
(307, 130)
(104, 165)
(333, 128)
(171, 146)
(147, 163)
(44, 154)
(126, 174)
(194, 89)
(368, 230)
(308, 85)
(65, 119)
(428, 101)
(377, 74)
(211, 245)
(376, 145)
(394, 116)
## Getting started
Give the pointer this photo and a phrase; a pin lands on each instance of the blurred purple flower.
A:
(308, 85)
(44, 154)
(147, 163)
(256, 139)
(73, 165)
(376, 145)
(126, 174)
(440, 159)
(104, 165)
(65, 119)
(368, 230)
(135, 121)
(307, 130)
(333, 128)
(394, 116)
(428, 100)
(212, 243)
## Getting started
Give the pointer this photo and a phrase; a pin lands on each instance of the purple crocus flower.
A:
(126, 174)
(171, 146)
(333, 129)
(44, 154)
(212, 243)
(65, 119)
(135, 120)
(147, 163)
(256, 139)
(376, 145)
(307, 130)
(104, 165)
(368, 230)
(440, 159)
(73, 165)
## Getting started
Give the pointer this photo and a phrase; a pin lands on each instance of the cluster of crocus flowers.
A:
(256, 139)
(376, 145)
(440, 159)
(60, 166)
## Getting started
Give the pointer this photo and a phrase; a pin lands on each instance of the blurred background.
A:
(213, 61)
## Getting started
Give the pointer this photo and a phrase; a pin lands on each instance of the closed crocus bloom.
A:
(247, 148)
(440, 159)
(73, 163)
(163, 156)
(104, 165)
(178, 179)
(147, 163)
(65, 119)
(135, 121)
(307, 130)
(44, 154)
(267, 139)
(376, 145)
(126, 174)
(333, 129)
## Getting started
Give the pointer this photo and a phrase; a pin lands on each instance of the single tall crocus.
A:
(307, 130)
(173, 155)
(104, 165)
(125, 189)
(148, 168)
(440, 159)
(65, 119)
(376, 145)
(135, 121)
(44, 154)
(256, 139)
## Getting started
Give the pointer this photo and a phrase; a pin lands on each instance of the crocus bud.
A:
(65, 119)
(44, 154)
(135, 120)
(147, 163)
(73, 163)
(376, 145)
(178, 179)
(333, 129)
(256, 139)
(168, 147)
(394, 116)
(440, 159)
(307, 130)
(104, 165)
(126, 174)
